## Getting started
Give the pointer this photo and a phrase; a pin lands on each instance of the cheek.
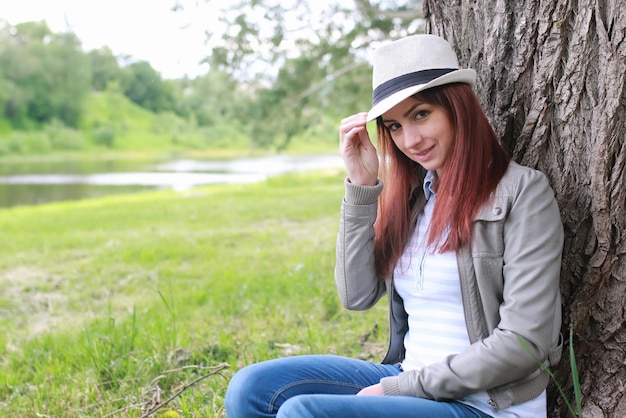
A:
(447, 146)
(397, 140)
(447, 137)
(445, 131)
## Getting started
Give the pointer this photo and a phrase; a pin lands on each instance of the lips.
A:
(424, 152)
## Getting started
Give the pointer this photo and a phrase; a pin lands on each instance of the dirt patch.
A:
(34, 300)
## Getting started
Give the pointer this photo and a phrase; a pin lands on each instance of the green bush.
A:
(104, 135)
(62, 137)
(25, 142)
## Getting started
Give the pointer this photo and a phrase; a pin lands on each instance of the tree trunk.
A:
(551, 76)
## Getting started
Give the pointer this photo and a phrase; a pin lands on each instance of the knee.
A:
(300, 406)
(240, 394)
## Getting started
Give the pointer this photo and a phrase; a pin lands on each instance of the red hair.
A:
(472, 171)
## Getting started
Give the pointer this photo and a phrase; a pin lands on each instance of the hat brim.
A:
(466, 75)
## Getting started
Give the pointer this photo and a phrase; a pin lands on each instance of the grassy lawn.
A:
(110, 306)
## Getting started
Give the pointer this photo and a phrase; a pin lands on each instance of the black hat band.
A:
(396, 84)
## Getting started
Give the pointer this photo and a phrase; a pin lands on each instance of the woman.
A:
(466, 244)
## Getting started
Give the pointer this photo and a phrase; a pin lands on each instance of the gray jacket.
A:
(509, 284)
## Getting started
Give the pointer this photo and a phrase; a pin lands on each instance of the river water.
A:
(40, 182)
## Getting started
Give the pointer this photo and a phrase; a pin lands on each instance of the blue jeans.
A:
(324, 386)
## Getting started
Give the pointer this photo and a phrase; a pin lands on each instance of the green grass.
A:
(111, 118)
(105, 302)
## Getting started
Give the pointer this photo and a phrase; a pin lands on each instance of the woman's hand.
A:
(357, 151)
(374, 390)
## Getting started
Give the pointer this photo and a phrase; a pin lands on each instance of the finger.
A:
(347, 124)
(355, 139)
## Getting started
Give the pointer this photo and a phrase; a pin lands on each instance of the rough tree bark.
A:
(551, 75)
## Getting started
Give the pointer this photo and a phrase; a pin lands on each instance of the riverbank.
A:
(42, 181)
(100, 298)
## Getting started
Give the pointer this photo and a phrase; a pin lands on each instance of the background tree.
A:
(302, 55)
(104, 68)
(45, 75)
(212, 98)
(143, 85)
(552, 76)
(65, 79)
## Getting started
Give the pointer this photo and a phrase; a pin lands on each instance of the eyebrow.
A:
(407, 113)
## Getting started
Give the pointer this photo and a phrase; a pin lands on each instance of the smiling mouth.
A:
(424, 152)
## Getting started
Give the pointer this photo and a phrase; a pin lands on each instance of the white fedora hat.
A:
(409, 65)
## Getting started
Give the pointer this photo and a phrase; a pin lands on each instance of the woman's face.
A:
(422, 131)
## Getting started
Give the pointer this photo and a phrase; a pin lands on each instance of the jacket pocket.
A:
(488, 229)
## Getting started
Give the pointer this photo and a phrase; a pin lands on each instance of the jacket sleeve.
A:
(529, 311)
(358, 286)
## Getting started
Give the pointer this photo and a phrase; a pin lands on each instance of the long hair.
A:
(472, 169)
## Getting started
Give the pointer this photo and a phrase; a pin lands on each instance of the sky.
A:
(172, 42)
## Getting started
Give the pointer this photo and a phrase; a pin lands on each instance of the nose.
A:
(412, 136)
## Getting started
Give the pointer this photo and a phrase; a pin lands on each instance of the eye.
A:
(421, 114)
(393, 126)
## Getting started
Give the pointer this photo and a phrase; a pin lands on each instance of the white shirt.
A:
(428, 282)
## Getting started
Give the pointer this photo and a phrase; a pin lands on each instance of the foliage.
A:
(46, 78)
(53, 136)
(271, 32)
(144, 86)
(213, 98)
(104, 135)
(46, 75)
(112, 122)
(272, 77)
(104, 68)
(306, 70)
